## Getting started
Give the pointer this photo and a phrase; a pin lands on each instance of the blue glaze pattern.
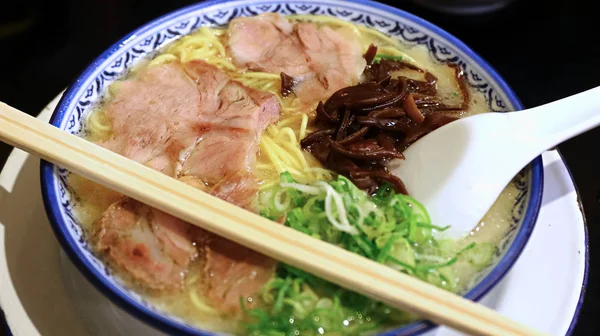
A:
(115, 62)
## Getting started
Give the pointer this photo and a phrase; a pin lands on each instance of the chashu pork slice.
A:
(189, 121)
(322, 60)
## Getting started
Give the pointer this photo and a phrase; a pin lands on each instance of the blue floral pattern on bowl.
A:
(114, 63)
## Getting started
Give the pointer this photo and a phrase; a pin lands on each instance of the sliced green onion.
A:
(388, 57)
(390, 228)
(278, 305)
(434, 227)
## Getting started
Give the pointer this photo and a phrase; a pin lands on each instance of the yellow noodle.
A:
(192, 279)
(272, 131)
(267, 185)
(264, 148)
(262, 75)
(221, 63)
(200, 305)
(298, 175)
(114, 88)
(287, 122)
(288, 158)
(162, 59)
(297, 152)
(303, 126)
(279, 134)
(320, 171)
(198, 44)
(263, 166)
(98, 125)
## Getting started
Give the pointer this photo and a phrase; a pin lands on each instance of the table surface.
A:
(545, 50)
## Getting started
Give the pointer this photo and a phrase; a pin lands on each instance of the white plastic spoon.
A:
(459, 170)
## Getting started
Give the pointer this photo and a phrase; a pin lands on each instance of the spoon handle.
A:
(548, 125)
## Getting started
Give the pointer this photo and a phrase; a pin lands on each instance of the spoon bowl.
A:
(459, 170)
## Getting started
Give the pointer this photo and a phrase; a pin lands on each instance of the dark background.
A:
(545, 50)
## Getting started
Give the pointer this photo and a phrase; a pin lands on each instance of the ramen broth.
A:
(189, 303)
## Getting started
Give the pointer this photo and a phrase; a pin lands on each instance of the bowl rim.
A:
(171, 326)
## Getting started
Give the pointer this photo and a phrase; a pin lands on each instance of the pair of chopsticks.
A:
(322, 259)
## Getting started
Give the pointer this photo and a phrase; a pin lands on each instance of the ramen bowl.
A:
(88, 89)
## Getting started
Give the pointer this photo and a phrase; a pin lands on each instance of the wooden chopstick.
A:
(251, 230)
